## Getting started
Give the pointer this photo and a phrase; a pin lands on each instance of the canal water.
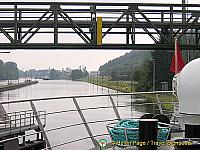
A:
(56, 88)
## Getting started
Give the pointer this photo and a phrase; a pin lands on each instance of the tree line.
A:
(8, 71)
(53, 74)
(142, 71)
(77, 74)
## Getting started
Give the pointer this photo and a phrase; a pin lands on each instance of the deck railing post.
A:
(96, 145)
(159, 104)
(30, 120)
(40, 125)
(114, 107)
(10, 123)
(15, 119)
(24, 118)
(45, 117)
(20, 121)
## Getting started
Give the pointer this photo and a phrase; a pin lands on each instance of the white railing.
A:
(20, 119)
(26, 116)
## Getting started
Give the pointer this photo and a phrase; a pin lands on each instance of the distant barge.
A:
(16, 85)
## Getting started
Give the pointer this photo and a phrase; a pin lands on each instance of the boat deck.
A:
(18, 122)
(17, 130)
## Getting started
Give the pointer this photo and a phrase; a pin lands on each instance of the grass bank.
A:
(122, 86)
(125, 86)
(166, 98)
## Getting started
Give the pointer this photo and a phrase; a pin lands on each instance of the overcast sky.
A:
(59, 59)
(92, 59)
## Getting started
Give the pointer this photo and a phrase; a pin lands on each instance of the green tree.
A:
(85, 73)
(114, 75)
(76, 74)
(2, 71)
(122, 65)
(54, 74)
(11, 71)
(143, 76)
(162, 67)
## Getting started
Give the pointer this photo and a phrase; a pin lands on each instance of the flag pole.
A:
(176, 59)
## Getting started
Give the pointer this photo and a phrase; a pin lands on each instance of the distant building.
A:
(68, 70)
(93, 73)
(43, 74)
(65, 74)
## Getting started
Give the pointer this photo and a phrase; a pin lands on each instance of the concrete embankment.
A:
(9, 87)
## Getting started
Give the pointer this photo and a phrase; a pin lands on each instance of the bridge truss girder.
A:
(20, 22)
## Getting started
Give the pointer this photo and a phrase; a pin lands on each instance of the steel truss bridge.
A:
(140, 26)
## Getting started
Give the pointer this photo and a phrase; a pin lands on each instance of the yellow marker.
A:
(99, 30)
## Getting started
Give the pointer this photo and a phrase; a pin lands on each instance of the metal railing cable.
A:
(59, 128)
(83, 96)
(77, 140)
(81, 109)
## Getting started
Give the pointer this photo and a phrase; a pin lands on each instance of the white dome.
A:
(188, 88)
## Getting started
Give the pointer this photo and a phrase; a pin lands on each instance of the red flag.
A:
(177, 60)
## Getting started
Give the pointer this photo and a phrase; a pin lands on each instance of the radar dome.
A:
(188, 88)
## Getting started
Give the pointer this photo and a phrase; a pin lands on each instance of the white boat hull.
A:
(192, 119)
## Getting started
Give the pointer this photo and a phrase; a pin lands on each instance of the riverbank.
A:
(9, 87)
(125, 86)
(121, 86)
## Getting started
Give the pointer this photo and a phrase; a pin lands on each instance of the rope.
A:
(118, 132)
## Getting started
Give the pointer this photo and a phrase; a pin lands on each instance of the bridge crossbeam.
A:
(45, 25)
